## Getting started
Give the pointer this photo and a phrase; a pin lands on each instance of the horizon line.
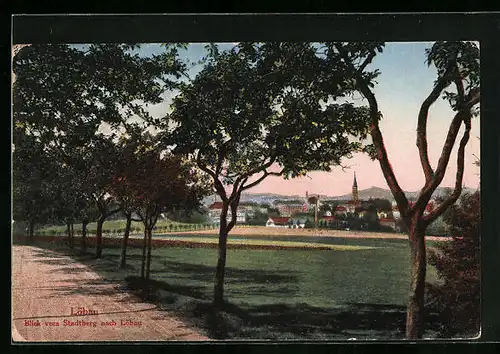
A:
(342, 195)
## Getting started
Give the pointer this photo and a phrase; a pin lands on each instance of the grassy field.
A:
(358, 288)
(365, 272)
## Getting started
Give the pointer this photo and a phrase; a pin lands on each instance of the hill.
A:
(364, 194)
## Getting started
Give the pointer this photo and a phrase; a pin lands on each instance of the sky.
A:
(403, 84)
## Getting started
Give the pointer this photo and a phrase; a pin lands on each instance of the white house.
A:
(395, 210)
(298, 223)
(283, 221)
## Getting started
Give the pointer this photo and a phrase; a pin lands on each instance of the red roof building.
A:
(329, 218)
(278, 221)
(215, 205)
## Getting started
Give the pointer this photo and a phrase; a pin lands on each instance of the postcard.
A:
(245, 191)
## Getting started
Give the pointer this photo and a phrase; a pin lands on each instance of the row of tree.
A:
(66, 170)
(253, 111)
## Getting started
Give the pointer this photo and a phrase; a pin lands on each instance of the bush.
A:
(438, 228)
(457, 262)
(383, 228)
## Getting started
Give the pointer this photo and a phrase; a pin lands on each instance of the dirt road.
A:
(49, 290)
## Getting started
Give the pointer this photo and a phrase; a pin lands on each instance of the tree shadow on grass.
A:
(192, 303)
(204, 273)
(135, 283)
(301, 321)
(278, 321)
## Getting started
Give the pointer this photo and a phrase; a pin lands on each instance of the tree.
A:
(262, 110)
(128, 145)
(314, 201)
(32, 171)
(258, 218)
(87, 213)
(381, 204)
(66, 198)
(457, 65)
(97, 164)
(63, 93)
(457, 262)
(370, 219)
(154, 183)
(328, 206)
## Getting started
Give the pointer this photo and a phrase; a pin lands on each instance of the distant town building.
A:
(287, 209)
(353, 205)
(215, 211)
(278, 221)
(294, 223)
(431, 205)
(355, 196)
(329, 220)
(297, 223)
(340, 210)
(395, 211)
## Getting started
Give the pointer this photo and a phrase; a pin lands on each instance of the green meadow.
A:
(356, 289)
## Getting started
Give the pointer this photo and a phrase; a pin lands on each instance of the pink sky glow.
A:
(404, 83)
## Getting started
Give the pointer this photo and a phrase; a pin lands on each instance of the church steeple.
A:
(355, 196)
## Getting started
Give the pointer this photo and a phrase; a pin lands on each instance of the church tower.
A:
(355, 196)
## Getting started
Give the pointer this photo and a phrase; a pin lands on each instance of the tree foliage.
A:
(262, 104)
(261, 107)
(64, 92)
(31, 188)
(457, 297)
(61, 96)
(148, 182)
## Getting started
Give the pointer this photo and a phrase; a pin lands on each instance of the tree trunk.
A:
(31, 230)
(123, 256)
(70, 236)
(316, 215)
(148, 256)
(221, 261)
(416, 302)
(98, 238)
(72, 228)
(143, 261)
(84, 236)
